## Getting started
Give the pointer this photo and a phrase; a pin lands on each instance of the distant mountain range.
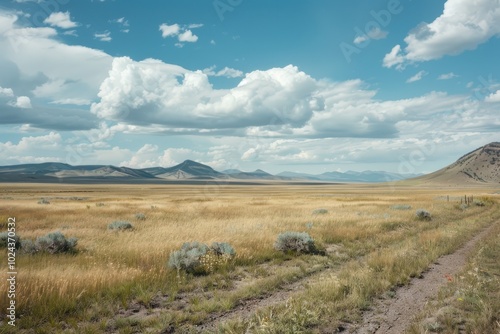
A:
(480, 166)
(186, 171)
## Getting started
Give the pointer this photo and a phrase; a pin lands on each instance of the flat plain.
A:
(118, 282)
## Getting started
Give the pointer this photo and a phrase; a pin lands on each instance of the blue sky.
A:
(306, 86)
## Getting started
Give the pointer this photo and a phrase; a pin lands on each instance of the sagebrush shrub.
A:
(54, 243)
(120, 226)
(479, 203)
(299, 242)
(188, 257)
(423, 214)
(28, 247)
(140, 216)
(198, 258)
(222, 248)
(320, 212)
(4, 240)
(43, 201)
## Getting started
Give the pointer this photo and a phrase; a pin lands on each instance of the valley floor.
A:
(118, 282)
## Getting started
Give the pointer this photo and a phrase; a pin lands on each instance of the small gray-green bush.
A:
(401, 207)
(423, 214)
(54, 243)
(479, 203)
(463, 206)
(299, 242)
(140, 216)
(188, 258)
(199, 259)
(222, 248)
(4, 240)
(120, 226)
(43, 201)
(320, 212)
(28, 247)
(100, 204)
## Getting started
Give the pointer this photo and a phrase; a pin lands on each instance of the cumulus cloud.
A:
(154, 97)
(6, 92)
(394, 58)
(23, 102)
(493, 97)
(60, 20)
(169, 30)
(417, 77)
(187, 36)
(152, 92)
(183, 33)
(58, 72)
(32, 149)
(462, 26)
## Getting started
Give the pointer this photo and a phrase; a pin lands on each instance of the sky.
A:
(305, 86)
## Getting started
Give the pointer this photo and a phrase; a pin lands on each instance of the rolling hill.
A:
(481, 166)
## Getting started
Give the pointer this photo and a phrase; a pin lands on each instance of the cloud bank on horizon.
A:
(141, 89)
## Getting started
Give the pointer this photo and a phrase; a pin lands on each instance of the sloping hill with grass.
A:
(481, 166)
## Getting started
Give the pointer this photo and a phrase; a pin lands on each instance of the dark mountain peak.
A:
(260, 172)
(192, 169)
(191, 163)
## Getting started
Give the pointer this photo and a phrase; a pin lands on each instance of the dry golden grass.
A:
(119, 266)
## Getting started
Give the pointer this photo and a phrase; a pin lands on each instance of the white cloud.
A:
(75, 71)
(417, 77)
(172, 30)
(122, 21)
(22, 102)
(375, 33)
(183, 34)
(153, 97)
(225, 72)
(462, 26)
(6, 92)
(32, 149)
(70, 33)
(152, 92)
(103, 37)
(493, 97)
(60, 20)
(76, 102)
(150, 156)
(394, 58)
(187, 36)
(447, 76)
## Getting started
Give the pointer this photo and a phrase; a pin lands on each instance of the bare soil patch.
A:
(394, 315)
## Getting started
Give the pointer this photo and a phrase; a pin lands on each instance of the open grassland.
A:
(470, 301)
(118, 282)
